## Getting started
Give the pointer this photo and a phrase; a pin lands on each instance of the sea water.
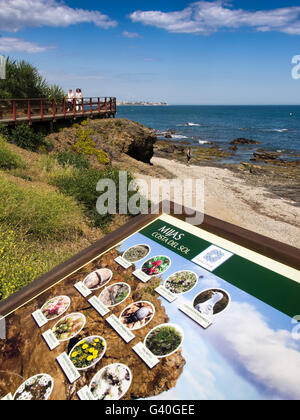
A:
(277, 128)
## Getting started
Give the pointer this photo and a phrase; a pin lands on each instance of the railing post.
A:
(74, 107)
(105, 104)
(110, 104)
(99, 106)
(53, 109)
(91, 106)
(14, 111)
(28, 110)
(42, 110)
(82, 106)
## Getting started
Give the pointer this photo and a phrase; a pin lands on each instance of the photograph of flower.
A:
(181, 282)
(111, 382)
(69, 327)
(164, 340)
(88, 352)
(98, 279)
(36, 388)
(56, 307)
(211, 302)
(137, 315)
(115, 294)
(156, 266)
(136, 253)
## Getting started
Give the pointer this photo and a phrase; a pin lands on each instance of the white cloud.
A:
(127, 34)
(17, 44)
(206, 17)
(210, 282)
(270, 357)
(18, 14)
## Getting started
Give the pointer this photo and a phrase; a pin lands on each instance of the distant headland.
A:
(141, 103)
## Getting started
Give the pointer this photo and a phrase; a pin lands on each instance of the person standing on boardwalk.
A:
(79, 99)
(71, 97)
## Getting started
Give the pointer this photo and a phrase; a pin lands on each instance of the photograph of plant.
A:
(36, 388)
(88, 352)
(69, 327)
(156, 265)
(211, 302)
(137, 315)
(111, 383)
(164, 340)
(136, 253)
(115, 294)
(55, 307)
(98, 279)
(181, 282)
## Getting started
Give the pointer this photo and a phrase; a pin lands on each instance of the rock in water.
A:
(243, 141)
(264, 156)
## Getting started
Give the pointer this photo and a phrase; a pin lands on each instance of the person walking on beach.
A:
(188, 155)
(70, 100)
(79, 99)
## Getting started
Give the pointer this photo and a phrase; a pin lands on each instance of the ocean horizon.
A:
(275, 127)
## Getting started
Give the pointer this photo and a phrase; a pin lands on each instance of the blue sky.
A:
(207, 52)
(248, 352)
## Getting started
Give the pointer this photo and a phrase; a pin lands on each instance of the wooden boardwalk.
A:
(18, 111)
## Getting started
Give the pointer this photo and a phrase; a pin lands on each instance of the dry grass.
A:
(44, 213)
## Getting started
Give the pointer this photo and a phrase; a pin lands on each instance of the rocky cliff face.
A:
(114, 136)
(25, 353)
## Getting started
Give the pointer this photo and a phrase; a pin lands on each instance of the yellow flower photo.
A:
(86, 355)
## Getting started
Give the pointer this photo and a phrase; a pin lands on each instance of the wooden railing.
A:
(32, 110)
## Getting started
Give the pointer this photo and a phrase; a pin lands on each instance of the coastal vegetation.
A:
(24, 81)
(8, 158)
(28, 138)
(87, 147)
(48, 194)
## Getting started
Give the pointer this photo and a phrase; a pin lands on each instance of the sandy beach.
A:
(231, 198)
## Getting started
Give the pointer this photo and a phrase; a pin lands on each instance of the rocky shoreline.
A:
(212, 152)
(266, 169)
(243, 193)
(132, 146)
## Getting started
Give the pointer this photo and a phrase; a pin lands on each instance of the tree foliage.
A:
(23, 80)
(55, 92)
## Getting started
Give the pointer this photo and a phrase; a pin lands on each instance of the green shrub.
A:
(86, 146)
(9, 159)
(68, 158)
(44, 214)
(47, 163)
(25, 137)
(23, 261)
(4, 131)
(81, 184)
